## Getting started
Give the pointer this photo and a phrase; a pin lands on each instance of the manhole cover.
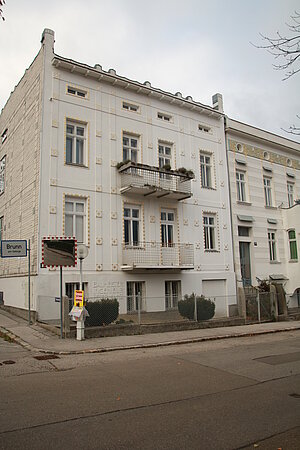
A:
(9, 361)
(45, 357)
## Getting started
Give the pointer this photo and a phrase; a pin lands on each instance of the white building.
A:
(264, 172)
(152, 232)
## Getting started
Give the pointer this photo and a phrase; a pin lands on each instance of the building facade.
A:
(137, 174)
(264, 172)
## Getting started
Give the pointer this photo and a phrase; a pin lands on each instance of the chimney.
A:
(48, 38)
(217, 101)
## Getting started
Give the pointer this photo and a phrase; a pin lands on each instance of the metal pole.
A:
(29, 312)
(195, 310)
(258, 307)
(61, 305)
(80, 266)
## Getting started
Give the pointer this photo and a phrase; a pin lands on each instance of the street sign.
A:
(78, 298)
(13, 249)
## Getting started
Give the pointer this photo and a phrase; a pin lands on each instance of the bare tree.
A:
(286, 50)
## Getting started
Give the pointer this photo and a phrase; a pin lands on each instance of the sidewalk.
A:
(38, 339)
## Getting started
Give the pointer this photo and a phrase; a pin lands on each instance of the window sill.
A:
(211, 251)
(82, 166)
(275, 262)
(209, 187)
(270, 207)
(240, 202)
(293, 261)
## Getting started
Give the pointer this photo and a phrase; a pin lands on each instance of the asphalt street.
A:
(228, 394)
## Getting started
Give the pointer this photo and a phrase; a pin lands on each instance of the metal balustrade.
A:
(141, 179)
(153, 255)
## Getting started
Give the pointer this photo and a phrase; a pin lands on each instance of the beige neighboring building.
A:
(264, 171)
(154, 232)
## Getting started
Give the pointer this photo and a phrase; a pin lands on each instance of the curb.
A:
(30, 347)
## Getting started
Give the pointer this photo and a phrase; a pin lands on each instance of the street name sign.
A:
(13, 249)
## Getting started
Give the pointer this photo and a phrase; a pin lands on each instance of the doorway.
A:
(245, 263)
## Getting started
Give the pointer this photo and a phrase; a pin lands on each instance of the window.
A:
(240, 186)
(132, 225)
(75, 218)
(130, 148)
(293, 245)
(268, 191)
(243, 231)
(4, 136)
(209, 232)
(164, 117)
(2, 175)
(167, 227)
(205, 170)
(1, 227)
(75, 143)
(272, 245)
(290, 193)
(134, 291)
(78, 92)
(203, 128)
(164, 155)
(130, 107)
(172, 293)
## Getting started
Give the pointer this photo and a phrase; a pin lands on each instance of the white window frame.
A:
(290, 193)
(209, 231)
(206, 170)
(77, 217)
(272, 242)
(172, 294)
(132, 225)
(293, 241)
(167, 227)
(130, 148)
(268, 191)
(77, 142)
(135, 296)
(164, 117)
(81, 93)
(1, 227)
(164, 154)
(130, 107)
(2, 175)
(240, 176)
(204, 128)
(4, 135)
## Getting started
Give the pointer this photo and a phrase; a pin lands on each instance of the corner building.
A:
(88, 153)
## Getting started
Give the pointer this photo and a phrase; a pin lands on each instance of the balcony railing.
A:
(154, 255)
(141, 179)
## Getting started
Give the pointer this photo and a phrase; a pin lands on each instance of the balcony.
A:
(153, 256)
(149, 181)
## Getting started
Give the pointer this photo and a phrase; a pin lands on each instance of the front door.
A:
(245, 263)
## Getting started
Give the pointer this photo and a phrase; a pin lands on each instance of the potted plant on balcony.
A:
(187, 173)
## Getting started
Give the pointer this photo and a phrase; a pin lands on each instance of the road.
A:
(238, 393)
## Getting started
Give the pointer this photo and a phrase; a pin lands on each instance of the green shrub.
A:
(205, 307)
(102, 312)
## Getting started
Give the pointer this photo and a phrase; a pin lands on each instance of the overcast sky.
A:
(196, 47)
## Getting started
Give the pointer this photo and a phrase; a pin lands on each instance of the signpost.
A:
(18, 249)
(59, 252)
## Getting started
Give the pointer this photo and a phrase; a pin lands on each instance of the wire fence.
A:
(139, 309)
